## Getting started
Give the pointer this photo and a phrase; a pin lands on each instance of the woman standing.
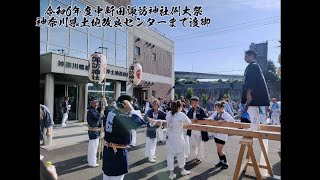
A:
(175, 138)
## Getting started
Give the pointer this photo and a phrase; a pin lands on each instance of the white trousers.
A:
(64, 119)
(134, 136)
(254, 116)
(159, 132)
(187, 145)
(275, 119)
(105, 177)
(151, 145)
(197, 146)
(92, 151)
(170, 160)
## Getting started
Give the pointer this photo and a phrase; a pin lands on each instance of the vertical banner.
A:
(97, 67)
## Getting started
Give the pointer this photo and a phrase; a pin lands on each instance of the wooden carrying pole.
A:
(101, 129)
(239, 132)
(266, 132)
(272, 128)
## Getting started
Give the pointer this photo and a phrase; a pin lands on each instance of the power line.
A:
(225, 27)
(218, 48)
(230, 30)
(213, 49)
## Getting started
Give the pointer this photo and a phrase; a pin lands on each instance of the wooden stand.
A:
(248, 142)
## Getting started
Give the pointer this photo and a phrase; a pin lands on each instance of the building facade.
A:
(262, 54)
(64, 54)
(155, 53)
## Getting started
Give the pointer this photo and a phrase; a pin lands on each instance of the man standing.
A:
(197, 137)
(227, 106)
(65, 108)
(134, 131)
(117, 138)
(187, 107)
(151, 133)
(275, 112)
(254, 90)
(147, 105)
(94, 117)
(209, 106)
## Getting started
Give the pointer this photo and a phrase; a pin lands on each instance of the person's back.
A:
(176, 122)
(46, 123)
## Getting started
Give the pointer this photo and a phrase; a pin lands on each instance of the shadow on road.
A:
(208, 173)
(98, 177)
(71, 165)
(277, 168)
(71, 135)
(144, 172)
(138, 163)
(191, 164)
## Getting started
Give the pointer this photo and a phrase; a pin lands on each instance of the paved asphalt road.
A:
(71, 161)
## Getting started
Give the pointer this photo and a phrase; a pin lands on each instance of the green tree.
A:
(189, 93)
(227, 94)
(270, 74)
(177, 81)
(176, 96)
(204, 99)
(220, 80)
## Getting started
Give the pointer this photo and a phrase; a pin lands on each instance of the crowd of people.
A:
(165, 119)
(119, 122)
(122, 120)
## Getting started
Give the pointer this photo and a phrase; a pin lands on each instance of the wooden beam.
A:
(239, 162)
(260, 166)
(239, 125)
(239, 132)
(254, 163)
(264, 151)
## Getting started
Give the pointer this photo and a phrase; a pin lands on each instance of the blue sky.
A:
(235, 24)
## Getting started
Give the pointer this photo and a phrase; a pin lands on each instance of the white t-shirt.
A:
(226, 117)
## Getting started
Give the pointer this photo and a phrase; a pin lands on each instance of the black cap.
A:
(123, 97)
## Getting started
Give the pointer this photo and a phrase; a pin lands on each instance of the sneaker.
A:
(219, 164)
(64, 125)
(133, 145)
(198, 161)
(172, 176)
(154, 157)
(184, 172)
(224, 166)
(94, 165)
(152, 160)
